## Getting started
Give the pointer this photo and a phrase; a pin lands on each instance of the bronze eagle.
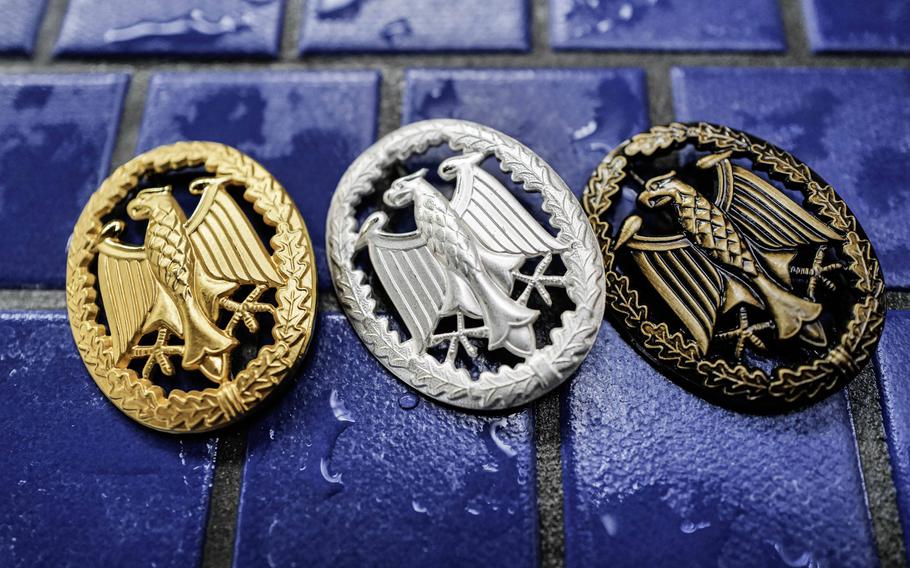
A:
(735, 249)
(179, 279)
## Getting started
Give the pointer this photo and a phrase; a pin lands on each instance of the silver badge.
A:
(471, 318)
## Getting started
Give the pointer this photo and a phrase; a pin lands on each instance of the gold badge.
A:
(190, 268)
(733, 267)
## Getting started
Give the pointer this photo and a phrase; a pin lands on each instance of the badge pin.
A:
(471, 317)
(200, 294)
(733, 267)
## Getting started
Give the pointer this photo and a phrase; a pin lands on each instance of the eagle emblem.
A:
(177, 283)
(463, 260)
(731, 251)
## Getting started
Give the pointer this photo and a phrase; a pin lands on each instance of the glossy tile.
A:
(57, 133)
(662, 25)
(414, 25)
(171, 27)
(19, 25)
(82, 484)
(871, 25)
(351, 468)
(655, 476)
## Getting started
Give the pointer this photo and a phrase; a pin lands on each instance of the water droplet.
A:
(803, 560)
(610, 524)
(418, 508)
(324, 470)
(472, 511)
(395, 30)
(408, 400)
(690, 527)
(338, 409)
(490, 467)
(585, 131)
(626, 11)
(604, 25)
(494, 434)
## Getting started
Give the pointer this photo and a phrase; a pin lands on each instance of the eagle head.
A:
(402, 190)
(662, 190)
(146, 200)
(449, 169)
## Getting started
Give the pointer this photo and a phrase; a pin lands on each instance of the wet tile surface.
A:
(893, 362)
(655, 476)
(658, 25)
(197, 27)
(351, 468)
(570, 118)
(57, 135)
(82, 484)
(19, 25)
(870, 25)
(334, 120)
(851, 126)
(414, 25)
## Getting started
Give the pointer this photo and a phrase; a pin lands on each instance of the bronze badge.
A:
(734, 267)
(190, 267)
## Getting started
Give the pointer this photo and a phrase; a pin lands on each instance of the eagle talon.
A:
(459, 337)
(246, 310)
(158, 355)
(539, 281)
(816, 273)
(746, 334)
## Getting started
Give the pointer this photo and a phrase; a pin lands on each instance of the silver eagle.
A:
(463, 258)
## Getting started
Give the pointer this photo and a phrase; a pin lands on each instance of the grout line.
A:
(550, 497)
(293, 14)
(49, 30)
(875, 466)
(791, 14)
(391, 101)
(131, 119)
(32, 300)
(539, 22)
(660, 94)
(897, 300)
(224, 501)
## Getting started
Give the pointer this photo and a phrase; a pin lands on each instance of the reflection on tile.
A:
(57, 135)
(852, 126)
(414, 25)
(655, 476)
(196, 27)
(658, 25)
(351, 468)
(82, 484)
(304, 127)
(870, 25)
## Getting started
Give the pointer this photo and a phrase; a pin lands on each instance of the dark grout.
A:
(550, 495)
(224, 501)
(131, 119)
(49, 30)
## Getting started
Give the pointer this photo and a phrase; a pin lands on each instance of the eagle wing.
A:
(226, 243)
(766, 214)
(689, 283)
(413, 279)
(496, 218)
(130, 294)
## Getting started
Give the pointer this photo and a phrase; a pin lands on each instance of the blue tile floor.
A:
(892, 363)
(849, 125)
(334, 120)
(196, 27)
(870, 25)
(655, 476)
(661, 25)
(57, 135)
(414, 25)
(82, 484)
(351, 467)
(19, 25)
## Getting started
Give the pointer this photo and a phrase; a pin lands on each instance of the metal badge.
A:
(734, 267)
(157, 297)
(483, 307)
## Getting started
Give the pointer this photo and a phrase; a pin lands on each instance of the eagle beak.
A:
(141, 206)
(402, 190)
(657, 191)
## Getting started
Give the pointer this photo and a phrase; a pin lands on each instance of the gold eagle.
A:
(179, 279)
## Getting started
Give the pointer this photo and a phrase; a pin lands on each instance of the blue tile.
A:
(870, 25)
(57, 135)
(83, 485)
(19, 25)
(893, 362)
(414, 25)
(352, 469)
(662, 25)
(305, 127)
(849, 125)
(655, 476)
(571, 118)
(195, 27)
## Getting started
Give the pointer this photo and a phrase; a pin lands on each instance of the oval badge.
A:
(733, 267)
(190, 286)
(478, 289)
